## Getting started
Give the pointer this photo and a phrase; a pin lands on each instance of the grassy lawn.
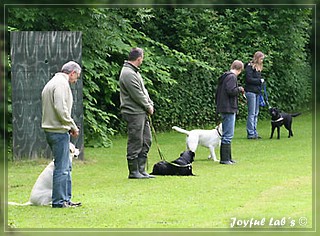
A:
(272, 180)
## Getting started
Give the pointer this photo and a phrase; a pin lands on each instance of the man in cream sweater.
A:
(57, 123)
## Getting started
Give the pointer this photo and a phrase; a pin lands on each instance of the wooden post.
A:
(35, 57)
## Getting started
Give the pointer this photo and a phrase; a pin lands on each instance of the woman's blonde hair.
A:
(256, 63)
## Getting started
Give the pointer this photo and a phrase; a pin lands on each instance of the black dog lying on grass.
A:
(180, 166)
(279, 118)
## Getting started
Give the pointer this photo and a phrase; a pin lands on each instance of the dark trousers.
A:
(139, 135)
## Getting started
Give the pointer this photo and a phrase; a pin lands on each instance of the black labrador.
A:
(278, 119)
(180, 166)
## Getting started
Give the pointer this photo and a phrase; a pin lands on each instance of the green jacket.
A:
(57, 101)
(134, 97)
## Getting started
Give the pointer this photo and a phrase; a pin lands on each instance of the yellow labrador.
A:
(41, 193)
(207, 138)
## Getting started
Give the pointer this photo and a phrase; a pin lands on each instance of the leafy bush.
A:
(186, 50)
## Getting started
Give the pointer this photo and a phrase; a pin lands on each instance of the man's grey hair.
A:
(71, 66)
(135, 53)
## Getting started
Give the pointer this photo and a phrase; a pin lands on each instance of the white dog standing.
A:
(41, 193)
(207, 138)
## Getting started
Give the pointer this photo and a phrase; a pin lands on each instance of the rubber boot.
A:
(230, 156)
(142, 167)
(225, 154)
(133, 170)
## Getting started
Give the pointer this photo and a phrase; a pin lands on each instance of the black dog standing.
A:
(278, 119)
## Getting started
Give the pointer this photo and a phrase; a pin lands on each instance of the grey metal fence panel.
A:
(35, 57)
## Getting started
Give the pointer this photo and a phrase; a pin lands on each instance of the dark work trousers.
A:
(139, 135)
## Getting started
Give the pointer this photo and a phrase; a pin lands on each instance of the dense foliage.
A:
(186, 50)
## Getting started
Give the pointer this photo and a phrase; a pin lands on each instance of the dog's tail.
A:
(296, 114)
(19, 204)
(176, 128)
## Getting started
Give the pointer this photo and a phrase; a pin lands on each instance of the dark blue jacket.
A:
(227, 93)
(253, 80)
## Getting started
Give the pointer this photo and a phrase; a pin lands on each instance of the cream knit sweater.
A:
(57, 101)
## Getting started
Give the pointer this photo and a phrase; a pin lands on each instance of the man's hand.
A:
(150, 110)
(74, 133)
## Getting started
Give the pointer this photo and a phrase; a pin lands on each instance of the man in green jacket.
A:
(136, 106)
(57, 101)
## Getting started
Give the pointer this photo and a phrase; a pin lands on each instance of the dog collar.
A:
(280, 119)
(218, 131)
(177, 165)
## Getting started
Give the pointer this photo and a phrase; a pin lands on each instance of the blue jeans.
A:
(228, 123)
(62, 181)
(253, 111)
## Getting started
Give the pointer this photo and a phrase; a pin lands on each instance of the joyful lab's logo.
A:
(272, 222)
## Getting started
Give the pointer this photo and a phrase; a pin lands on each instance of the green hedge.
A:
(186, 50)
(219, 36)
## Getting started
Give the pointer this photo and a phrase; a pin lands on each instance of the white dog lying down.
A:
(207, 138)
(41, 193)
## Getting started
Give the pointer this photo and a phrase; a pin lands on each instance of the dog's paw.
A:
(212, 158)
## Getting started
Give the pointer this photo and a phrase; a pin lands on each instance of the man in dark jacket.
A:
(135, 107)
(227, 105)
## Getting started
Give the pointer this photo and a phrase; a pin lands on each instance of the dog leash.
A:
(158, 147)
(266, 94)
(155, 139)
